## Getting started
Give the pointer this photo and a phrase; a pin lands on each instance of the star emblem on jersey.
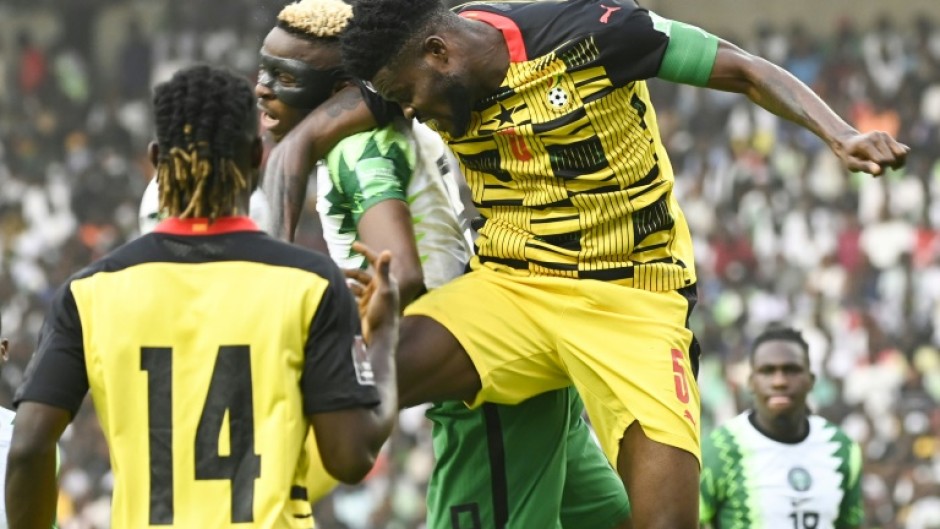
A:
(799, 479)
(558, 98)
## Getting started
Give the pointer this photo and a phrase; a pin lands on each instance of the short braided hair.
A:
(381, 29)
(784, 334)
(200, 117)
(315, 19)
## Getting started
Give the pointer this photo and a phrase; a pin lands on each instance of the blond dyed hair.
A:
(316, 18)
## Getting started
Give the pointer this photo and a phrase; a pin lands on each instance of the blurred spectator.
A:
(136, 63)
(32, 65)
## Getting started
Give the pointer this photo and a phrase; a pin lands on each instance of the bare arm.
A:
(776, 90)
(350, 440)
(388, 226)
(292, 161)
(31, 466)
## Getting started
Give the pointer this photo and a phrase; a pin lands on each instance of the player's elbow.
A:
(410, 285)
(27, 450)
(350, 465)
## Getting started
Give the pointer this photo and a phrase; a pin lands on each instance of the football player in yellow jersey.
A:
(584, 272)
(208, 346)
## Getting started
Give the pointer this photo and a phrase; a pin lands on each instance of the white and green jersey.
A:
(750, 481)
(395, 162)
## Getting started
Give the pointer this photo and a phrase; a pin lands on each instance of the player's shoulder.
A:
(537, 12)
(725, 432)
(544, 24)
(376, 142)
(264, 249)
(827, 431)
(248, 246)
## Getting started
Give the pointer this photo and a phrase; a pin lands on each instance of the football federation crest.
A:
(799, 479)
(558, 98)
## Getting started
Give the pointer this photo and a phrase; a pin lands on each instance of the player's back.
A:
(195, 351)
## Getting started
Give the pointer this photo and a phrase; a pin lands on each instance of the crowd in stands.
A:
(782, 232)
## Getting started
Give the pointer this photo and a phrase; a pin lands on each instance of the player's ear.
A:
(153, 152)
(4, 347)
(435, 48)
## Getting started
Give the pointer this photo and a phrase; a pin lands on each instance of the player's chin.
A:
(277, 132)
(456, 129)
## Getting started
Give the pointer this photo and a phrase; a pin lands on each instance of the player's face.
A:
(780, 379)
(295, 76)
(427, 94)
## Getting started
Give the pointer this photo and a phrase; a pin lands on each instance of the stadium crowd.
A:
(782, 233)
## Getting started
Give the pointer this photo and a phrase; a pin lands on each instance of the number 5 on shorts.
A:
(678, 374)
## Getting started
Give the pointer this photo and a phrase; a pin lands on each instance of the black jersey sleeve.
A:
(337, 374)
(56, 373)
(383, 111)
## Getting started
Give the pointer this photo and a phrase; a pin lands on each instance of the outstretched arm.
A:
(292, 161)
(350, 440)
(31, 466)
(776, 90)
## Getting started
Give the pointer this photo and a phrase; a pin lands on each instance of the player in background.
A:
(584, 272)
(6, 432)
(208, 346)
(6, 428)
(525, 466)
(779, 466)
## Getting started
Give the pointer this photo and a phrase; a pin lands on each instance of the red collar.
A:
(507, 26)
(177, 226)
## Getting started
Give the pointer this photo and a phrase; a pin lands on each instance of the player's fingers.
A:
(356, 288)
(383, 271)
(369, 253)
(863, 165)
(383, 264)
(358, 275)
(900, 151)
(877, 149)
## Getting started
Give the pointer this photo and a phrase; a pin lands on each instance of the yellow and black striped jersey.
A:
(205, 347)
(565, 160)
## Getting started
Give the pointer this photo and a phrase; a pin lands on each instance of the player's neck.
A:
(789, 429)
(489, 58)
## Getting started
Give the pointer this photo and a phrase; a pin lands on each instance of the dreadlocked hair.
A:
(381, 29)
(200, 115)
(783, 334)
(315, 19)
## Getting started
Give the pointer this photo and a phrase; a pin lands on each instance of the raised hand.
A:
(377, 293)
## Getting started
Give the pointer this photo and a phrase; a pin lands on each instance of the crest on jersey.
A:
(799, 479)
(360, 357)
(558, 97)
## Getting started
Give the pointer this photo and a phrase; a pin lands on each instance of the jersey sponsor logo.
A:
(799, 479)
(360, 356)
(607, 12)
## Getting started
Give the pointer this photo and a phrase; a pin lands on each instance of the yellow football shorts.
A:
(626, 350)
